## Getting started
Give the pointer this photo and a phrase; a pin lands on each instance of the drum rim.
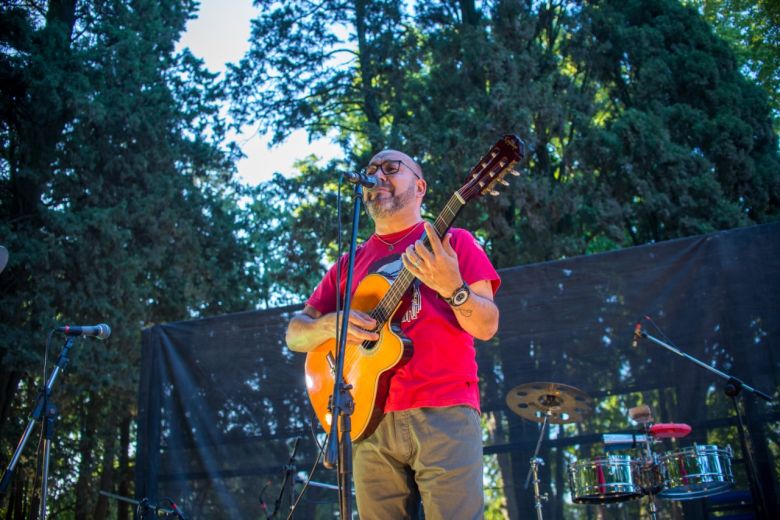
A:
(607, 459)
(672, 494)
(699, 449)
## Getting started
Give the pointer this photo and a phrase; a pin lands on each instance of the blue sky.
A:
(220, 35)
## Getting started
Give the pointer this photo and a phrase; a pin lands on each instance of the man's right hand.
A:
(309, 329)
(360, 328)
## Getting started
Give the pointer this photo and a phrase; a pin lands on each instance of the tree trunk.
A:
(123, 509)
(9, 382)
(107, 472)
(87, 447)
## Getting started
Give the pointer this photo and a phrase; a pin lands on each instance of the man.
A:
(430, 440)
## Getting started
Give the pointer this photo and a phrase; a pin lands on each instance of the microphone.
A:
(369, 181)
(100, 331)
(637, 334)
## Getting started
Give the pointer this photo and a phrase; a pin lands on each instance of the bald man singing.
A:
(428, 445)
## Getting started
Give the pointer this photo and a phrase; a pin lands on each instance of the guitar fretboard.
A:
(482, 179)
(384, 309)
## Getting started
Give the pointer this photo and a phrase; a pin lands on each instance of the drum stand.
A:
(537, 461)
(651, 465)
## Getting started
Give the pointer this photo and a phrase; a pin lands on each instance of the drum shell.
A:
(696, 472)
(604, 480)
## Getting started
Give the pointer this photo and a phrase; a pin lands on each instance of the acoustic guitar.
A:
(368, 366)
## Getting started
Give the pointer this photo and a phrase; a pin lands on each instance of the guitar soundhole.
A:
(369, 345)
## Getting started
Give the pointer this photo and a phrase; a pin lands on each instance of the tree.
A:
(639, 124)
(117, 203)
(753, 31)
(684, 143)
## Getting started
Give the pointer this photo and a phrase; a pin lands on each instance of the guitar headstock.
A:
(490, 171)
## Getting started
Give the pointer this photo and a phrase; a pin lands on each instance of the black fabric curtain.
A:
(222, 401)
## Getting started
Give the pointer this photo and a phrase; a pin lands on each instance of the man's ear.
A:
(422, 187)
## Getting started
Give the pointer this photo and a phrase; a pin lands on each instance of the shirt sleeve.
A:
(472, 259)
(324, 296)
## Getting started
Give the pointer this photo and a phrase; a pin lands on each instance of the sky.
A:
(220, 35)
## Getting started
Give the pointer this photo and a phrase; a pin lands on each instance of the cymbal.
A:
(560, 403)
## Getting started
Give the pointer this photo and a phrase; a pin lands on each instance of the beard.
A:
(381, 207)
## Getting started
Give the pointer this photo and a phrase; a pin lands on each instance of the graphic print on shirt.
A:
(390, 267)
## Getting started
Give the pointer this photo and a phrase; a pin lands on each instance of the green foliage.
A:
(641, 124)
(688, 147)
(117, 200)
(752, 28)
(117, 204)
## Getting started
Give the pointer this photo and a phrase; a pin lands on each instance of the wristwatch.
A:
(460, 296)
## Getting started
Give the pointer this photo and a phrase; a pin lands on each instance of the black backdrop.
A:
(221, 399)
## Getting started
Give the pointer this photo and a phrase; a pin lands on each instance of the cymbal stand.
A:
(537, 461)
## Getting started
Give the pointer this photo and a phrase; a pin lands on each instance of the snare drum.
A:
(603, 480)
(696, 472)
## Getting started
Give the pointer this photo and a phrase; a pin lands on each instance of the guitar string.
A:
(355, 351)
(380, 313)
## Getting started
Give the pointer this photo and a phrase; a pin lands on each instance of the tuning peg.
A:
(494, 193)
(503, 181)
(514, 172)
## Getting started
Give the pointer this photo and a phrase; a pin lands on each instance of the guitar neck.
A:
(443, 222)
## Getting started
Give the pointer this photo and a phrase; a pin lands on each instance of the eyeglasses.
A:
(388, 168)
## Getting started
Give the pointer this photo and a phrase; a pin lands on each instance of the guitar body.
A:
(366, 368)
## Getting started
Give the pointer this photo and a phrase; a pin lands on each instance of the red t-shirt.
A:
(443, 369)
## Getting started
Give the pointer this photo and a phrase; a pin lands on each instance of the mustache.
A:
(380, 185)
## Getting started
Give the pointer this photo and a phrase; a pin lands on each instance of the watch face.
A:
(460, 296)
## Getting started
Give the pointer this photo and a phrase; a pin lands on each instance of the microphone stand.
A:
(338, 452)
(145, 506)
(44, 407)
(732, 389)
(289, 473)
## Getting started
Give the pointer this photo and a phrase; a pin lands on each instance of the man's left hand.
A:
(436, 267)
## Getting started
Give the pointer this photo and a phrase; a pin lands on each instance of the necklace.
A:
(391, 245)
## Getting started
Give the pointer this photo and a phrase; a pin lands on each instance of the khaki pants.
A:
(429, 453)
